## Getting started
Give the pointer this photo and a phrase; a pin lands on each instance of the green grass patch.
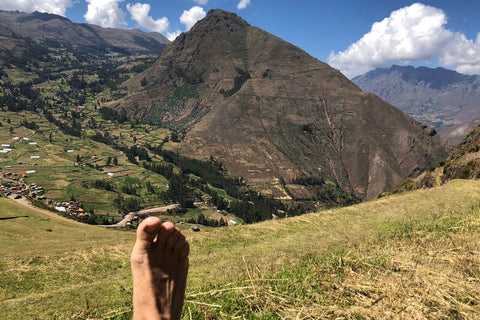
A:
(223, 194)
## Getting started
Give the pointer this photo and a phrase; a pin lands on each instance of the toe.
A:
(166, 230)
(172, 240)
(148, 229)
(181, 249)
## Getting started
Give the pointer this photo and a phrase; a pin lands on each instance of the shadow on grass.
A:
(8, 218)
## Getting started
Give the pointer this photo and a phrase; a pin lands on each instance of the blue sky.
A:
(354, 36)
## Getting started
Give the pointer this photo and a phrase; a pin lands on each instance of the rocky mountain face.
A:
(444, 99)
(463, 163)
(270, 112)
(26, 33)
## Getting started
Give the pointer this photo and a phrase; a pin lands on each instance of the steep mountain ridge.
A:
(269, 111)
(442, 98)
(463, 163)
(19, 29)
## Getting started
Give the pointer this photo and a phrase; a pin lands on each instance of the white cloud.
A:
(105, 13)
(243, 4)
(51, 6)
(201, 2)
(462, 53)
(173, 35)
(190, 17)
(140, 13)
(468, 68)
(412, 33)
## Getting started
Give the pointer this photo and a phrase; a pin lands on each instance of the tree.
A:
(131, 158)
(149, 187)
(109, 161)
(115, 161)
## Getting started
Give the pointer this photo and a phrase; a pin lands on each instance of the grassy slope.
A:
(51, 267)
(416, 253)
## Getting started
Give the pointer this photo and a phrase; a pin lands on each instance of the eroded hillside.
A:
(271, 112)
(464, 163)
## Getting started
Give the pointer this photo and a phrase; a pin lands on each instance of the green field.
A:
(414, 255)
(69, 167)
(55, 168)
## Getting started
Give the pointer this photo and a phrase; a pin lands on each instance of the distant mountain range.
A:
(444, 99)
(271, 112)
(23, 34)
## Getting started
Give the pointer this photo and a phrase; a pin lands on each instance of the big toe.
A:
(147, 231)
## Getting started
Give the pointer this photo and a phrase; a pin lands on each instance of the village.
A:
(15, 186)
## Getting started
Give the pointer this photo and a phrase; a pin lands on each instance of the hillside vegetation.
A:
(413, 255)
(270, 112)
(103, 126)
(464, 163)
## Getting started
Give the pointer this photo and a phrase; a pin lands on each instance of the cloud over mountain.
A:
(140, 13)
(463, 53)
(51, 6)
(190, 17)
(412, 33)
(243, 4)
(105, 13)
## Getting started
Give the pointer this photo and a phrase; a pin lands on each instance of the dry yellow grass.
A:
(409, 256)
(273, 244)
(414, 256)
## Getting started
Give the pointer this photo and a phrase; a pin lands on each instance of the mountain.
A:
(463, 163)
(51, 95)
(442, 98)
(19, 31)
(270, 112)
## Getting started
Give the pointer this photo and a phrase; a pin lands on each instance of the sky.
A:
(354, 36)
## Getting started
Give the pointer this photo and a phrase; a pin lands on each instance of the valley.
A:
(441, 98)
(302, 197)
(59, 134)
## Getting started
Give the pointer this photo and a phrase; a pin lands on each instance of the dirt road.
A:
(24, 202)
(129, 216)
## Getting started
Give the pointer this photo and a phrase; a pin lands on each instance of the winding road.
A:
(129, 216)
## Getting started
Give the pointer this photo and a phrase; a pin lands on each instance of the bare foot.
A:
(159, 263)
